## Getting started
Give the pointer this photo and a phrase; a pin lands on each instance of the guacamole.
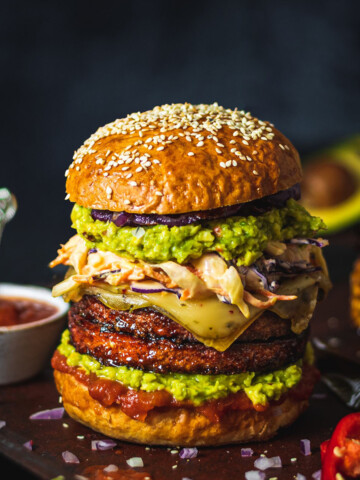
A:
(259, 387)
(243, 238)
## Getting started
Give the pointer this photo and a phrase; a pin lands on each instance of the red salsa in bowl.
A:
(18, 310)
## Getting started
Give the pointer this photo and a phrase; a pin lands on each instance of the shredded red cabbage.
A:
(256, 207)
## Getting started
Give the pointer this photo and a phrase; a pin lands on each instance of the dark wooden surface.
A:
(51, 438)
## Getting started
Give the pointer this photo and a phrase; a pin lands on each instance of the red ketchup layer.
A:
(137, 403)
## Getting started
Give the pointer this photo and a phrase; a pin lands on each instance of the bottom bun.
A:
(175, 426)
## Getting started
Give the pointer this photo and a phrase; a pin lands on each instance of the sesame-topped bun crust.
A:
(181, 158)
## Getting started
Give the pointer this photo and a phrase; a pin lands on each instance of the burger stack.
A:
(193, 276)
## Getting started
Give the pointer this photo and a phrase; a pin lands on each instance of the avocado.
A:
(331, 185)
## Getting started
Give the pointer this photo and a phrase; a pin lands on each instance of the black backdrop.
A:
(68, 67)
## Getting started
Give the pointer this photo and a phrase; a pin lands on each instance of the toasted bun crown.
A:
(181, 158)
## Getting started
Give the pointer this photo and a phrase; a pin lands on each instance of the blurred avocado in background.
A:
(331, 185)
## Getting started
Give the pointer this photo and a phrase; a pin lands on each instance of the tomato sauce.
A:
(17, 311)
(137, 403)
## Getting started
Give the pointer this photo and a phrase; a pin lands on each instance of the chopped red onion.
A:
(247, 452)
(254, 475)
(52, 414)
(135, 462)
(299, 476)
(69, 457)
(263, 463)
(277, 462)
(103, 444)
(317, 475)
(111, 468)
(28, 445)
(305, 447)
(2, 423)
(188, 453)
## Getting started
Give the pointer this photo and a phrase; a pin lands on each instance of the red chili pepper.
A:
(341, 454)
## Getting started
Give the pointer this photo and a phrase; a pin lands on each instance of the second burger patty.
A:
(148, 340)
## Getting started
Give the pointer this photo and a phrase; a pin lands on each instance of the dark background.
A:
(69, 67)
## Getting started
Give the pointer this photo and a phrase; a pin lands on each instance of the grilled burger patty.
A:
(147, 323)
(95, 331)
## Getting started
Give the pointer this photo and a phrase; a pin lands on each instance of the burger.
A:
(193, 275)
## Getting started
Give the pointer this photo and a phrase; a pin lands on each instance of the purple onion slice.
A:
(256, 207)
(2, 423)
(152, 287)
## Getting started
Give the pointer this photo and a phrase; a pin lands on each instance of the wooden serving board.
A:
(52, 437)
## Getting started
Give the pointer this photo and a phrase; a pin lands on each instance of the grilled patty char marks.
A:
(147, 323)
(163, 355)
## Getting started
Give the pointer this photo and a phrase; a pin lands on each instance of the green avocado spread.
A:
(259, 387)
(243, 238)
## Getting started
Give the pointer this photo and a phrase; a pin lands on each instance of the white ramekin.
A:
(25, 349)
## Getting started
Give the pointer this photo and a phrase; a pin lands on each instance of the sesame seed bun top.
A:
(181, 158)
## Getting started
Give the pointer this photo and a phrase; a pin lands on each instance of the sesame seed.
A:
(138, 169)
(245, 142)
(228, 163)
(217, 150)
(160, 148)
(232, 142)
(159, 194)
(236, 133)
(129, 175)
(281, 146)
(67, 196)
(105, 174)
(188, 138)
(255, 172)
(222, 164)
(234, 163)
(108, 190)
(132, 183)
(156, 161)
(191, 154)
(200, 144)
(125, 168)
(127, 202)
